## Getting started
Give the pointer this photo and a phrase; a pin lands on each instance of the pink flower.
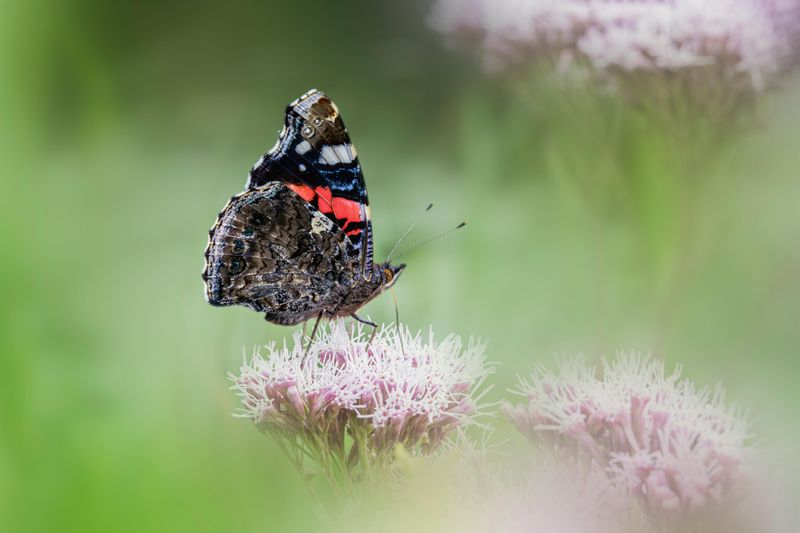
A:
(757, 38)
(677, 448)
(400, 389)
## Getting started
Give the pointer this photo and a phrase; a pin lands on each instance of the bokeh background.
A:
(125, 128)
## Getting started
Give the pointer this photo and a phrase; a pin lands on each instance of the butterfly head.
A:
(390, 273)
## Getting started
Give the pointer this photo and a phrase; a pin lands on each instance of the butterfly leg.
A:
(368, 323)
(313, 332)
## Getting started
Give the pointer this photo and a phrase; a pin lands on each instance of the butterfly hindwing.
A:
(315, 158)
(270, 251)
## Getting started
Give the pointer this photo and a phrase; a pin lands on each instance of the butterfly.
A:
(296, 244)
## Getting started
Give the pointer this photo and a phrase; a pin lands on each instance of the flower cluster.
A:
(678, 448)
(396, 389)
(756, 38)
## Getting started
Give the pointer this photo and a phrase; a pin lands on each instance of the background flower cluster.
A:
(754, 38)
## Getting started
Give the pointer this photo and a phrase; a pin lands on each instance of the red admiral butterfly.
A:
(297, 243)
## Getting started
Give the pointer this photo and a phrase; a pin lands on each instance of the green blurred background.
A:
(125, 128)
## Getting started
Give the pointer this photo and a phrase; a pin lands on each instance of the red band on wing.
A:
(348, 210)
(324, 203)
(305, 192)
(342, 208)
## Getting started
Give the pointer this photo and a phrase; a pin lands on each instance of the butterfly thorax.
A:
(364, 289)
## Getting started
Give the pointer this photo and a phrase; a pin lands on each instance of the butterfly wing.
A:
(270, 251)
(315, 158)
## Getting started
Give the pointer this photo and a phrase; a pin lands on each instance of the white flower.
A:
(678, 448)
(397, 389)
(757, 38)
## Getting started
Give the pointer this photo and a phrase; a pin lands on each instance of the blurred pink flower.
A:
(397, 390)
(678, 448)
(757, 38)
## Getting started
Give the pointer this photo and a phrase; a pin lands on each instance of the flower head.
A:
(676, 447)
(756, 38)
(397, 389)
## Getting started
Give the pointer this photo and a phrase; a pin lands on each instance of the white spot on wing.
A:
(344, 153)
(302, 167)
(337, 153)
(320, 223)
(303, 147)
(328, 156)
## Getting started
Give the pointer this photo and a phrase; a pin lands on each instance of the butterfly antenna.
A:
(428, 241)
(409, 230)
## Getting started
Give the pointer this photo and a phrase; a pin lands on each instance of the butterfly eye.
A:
(388, 274)
(308, 132)
(317, 122)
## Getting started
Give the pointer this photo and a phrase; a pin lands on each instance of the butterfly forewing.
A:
(315, 158)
